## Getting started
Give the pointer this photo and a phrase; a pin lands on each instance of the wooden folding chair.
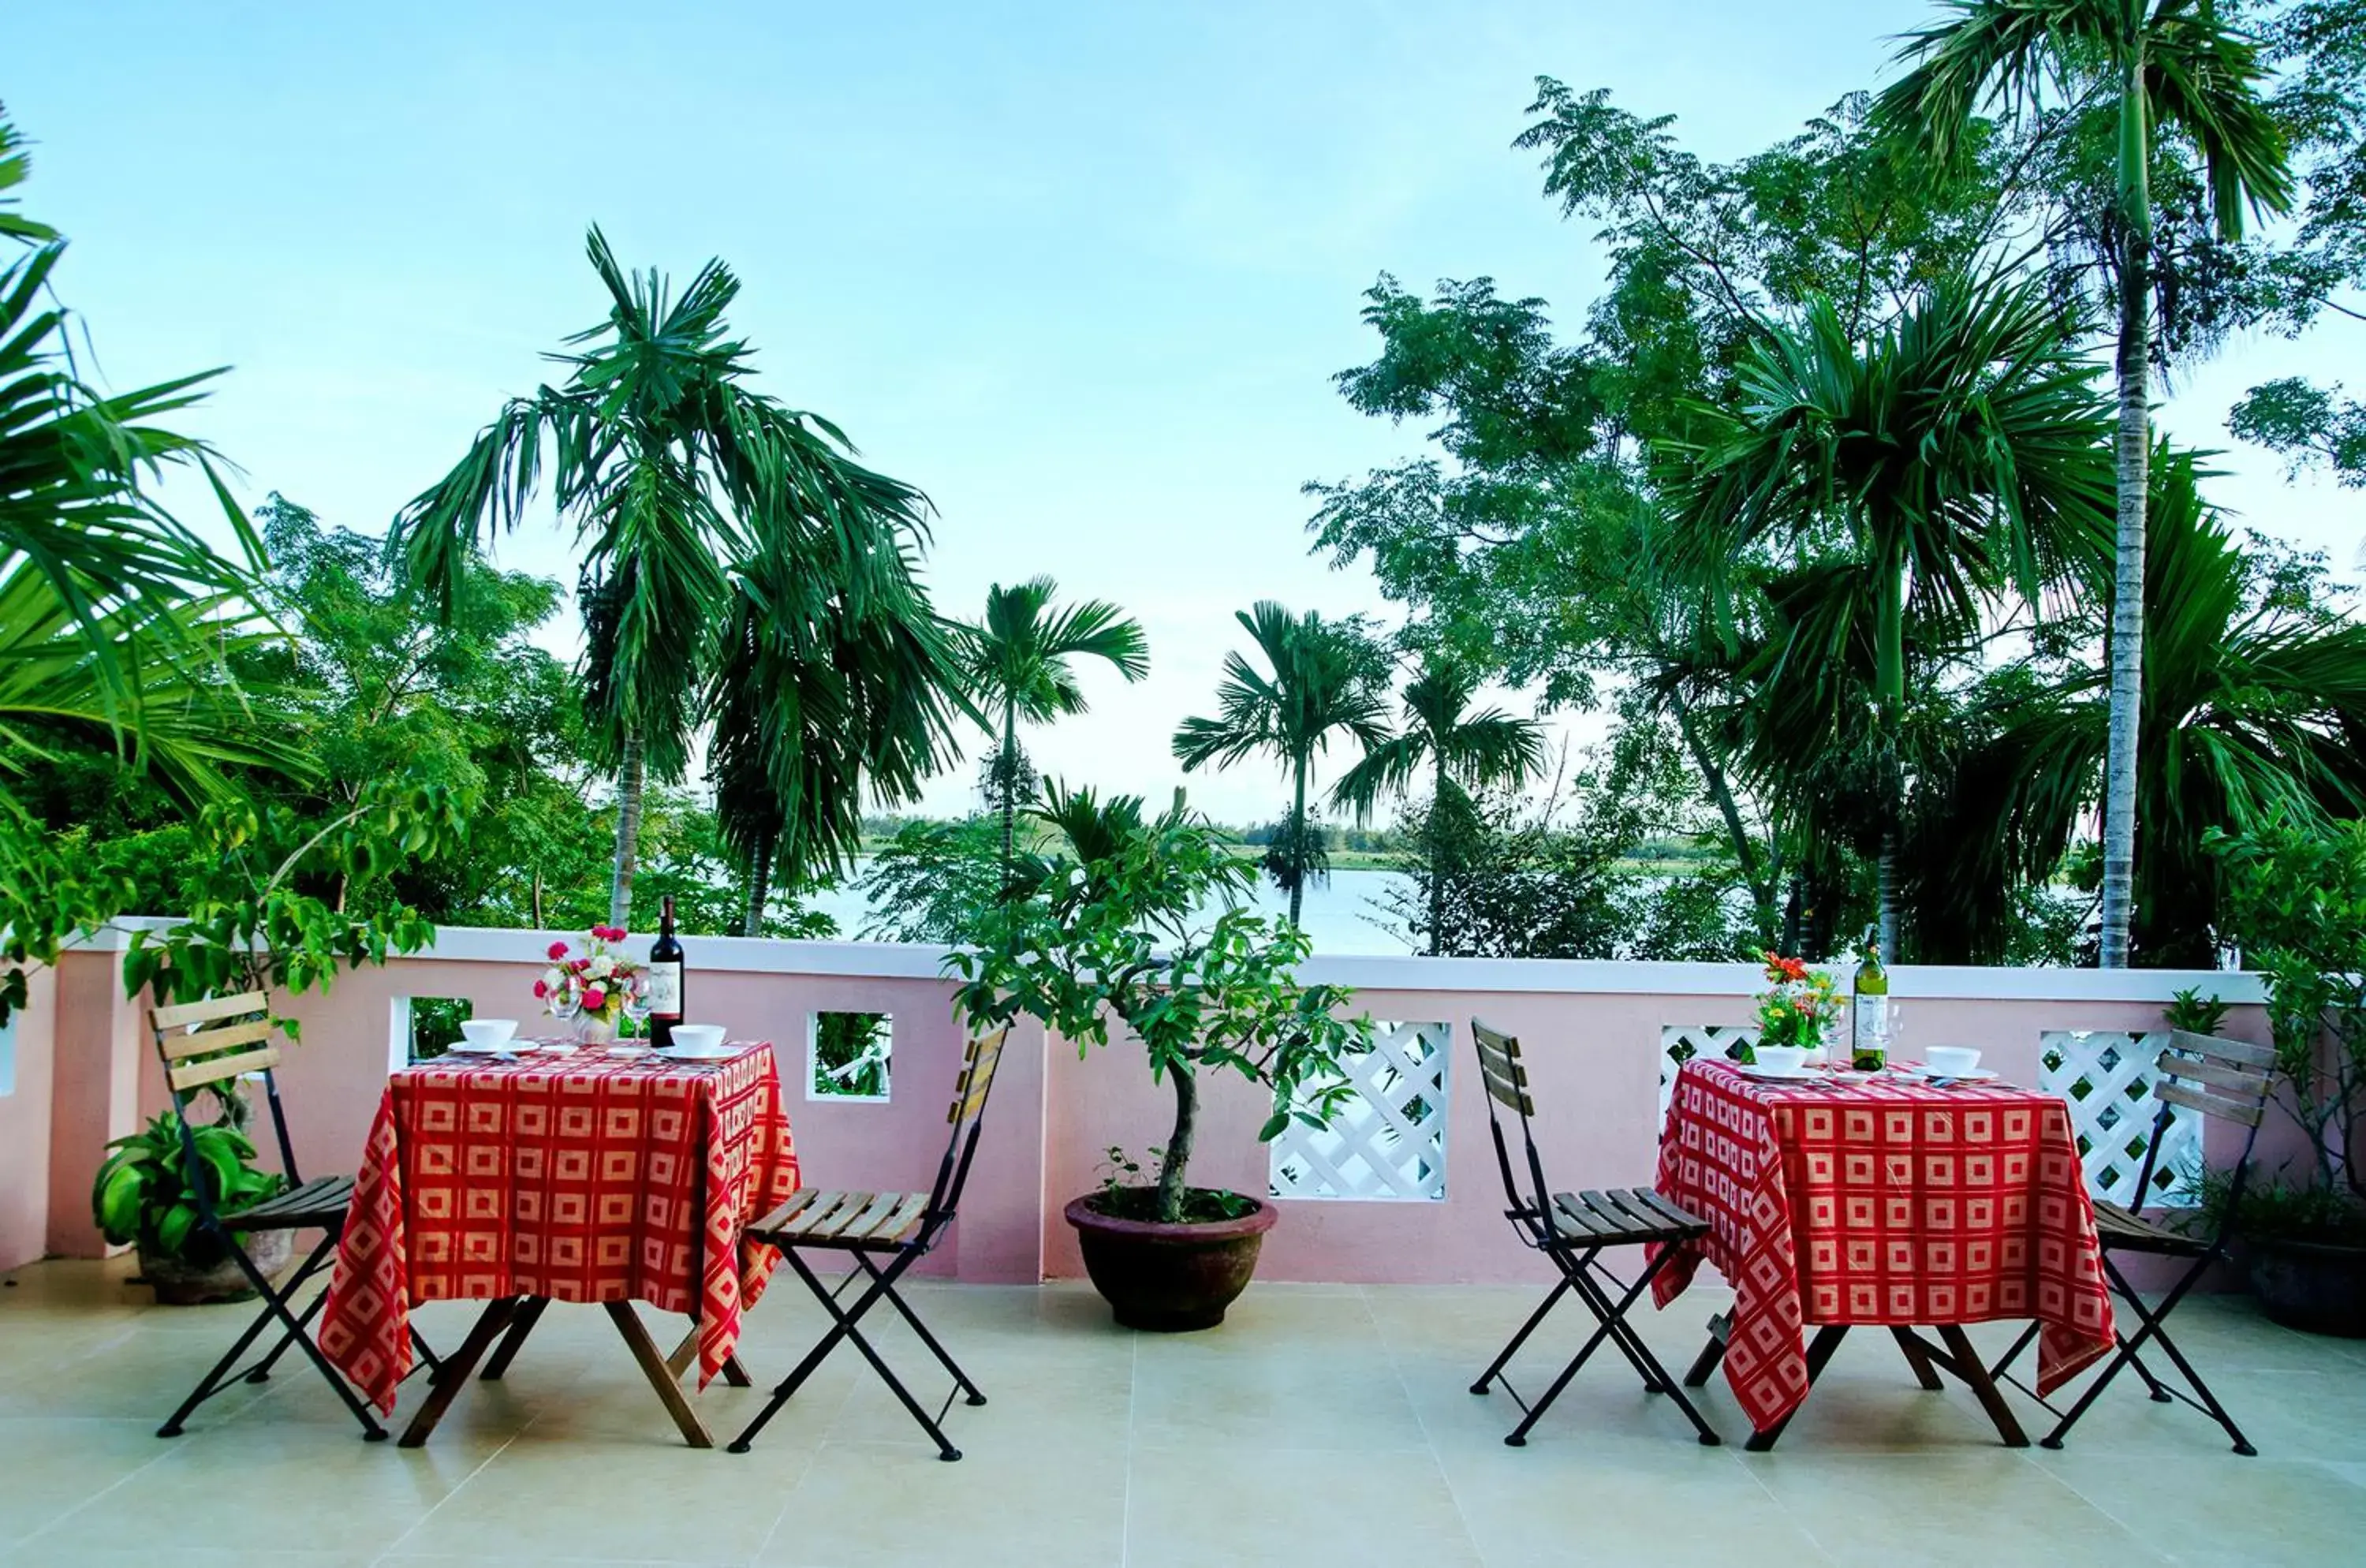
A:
(1573, 1230)
(213, 1042)
(2229, 1079)
(868, 1226)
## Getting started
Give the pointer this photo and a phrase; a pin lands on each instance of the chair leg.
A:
(844, 1328)
(314, 1261)
(2012, 1353)
(1611, 1315)
(1503, 1356)
(2151, 1327)
(895, 1299)
(1630, 1344)
(275, 1306)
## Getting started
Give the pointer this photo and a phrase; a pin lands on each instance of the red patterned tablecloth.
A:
(1889, 1202)
(582, 1177)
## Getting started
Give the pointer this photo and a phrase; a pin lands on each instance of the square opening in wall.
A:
(849, 1054)
(435, 1023)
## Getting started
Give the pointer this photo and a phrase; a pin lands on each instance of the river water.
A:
(1338, 913)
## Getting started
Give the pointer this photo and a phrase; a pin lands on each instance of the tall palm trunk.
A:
(760, 887)
(2133, 451)
(629, 780)
(1298, 841)
(1436, 854)
(1762, 882)
(1009, 771)
(1886, 875)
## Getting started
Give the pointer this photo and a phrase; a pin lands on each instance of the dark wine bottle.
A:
(667, 977)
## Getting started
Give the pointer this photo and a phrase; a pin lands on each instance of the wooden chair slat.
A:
(2249, 1113)
(1507, 1092)
(195, 1075)
(2241, 1082)
(2240, 1051)
(1574, 1218)
(781, 1216)
(909, 1207)
(1668, 1213)
(1632, 1205)
(981, 1059)
(819, 1205)
(206, 1012)
(179, 1048)
(833, 1221)
(1616, 1218)
(869, 1216)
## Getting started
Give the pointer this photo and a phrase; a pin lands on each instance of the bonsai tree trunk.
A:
(1171, 1166)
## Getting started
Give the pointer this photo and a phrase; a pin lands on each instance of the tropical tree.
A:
(820, 697)
(2158, 69)
(1949, 465)
(1019, 661)
(705, 506)
(1461, 751)
(1322, 679)
(2255, 697)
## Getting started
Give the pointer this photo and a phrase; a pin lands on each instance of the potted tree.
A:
(2296, 897)
(1110, 931)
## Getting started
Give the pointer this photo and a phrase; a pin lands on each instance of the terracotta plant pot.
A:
(2318, 1287)
(180, 1284)
(1170, 1278)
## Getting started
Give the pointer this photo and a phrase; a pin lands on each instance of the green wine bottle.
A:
(1869, 1010)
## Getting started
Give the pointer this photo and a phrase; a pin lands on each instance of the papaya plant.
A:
(146, 1195)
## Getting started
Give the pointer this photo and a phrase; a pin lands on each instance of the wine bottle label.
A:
(1872, 1023)
(665, 990)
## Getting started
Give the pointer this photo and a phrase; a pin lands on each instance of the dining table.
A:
(556, 1173)
(1894, 1199)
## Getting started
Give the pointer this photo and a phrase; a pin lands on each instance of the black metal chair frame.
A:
(2227, 1079)
(1572, 1230)
(900, 1227)
(242, 1041)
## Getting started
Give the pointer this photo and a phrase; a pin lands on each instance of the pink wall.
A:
(1591, 1033)
(25, 1127)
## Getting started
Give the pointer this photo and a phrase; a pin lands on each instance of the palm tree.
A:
(1461, 751)
(2252, 711)
(815, 701)
(1325, 679)
(1018, 664)
(1955, 461)
(684, 481)
(2156, 66)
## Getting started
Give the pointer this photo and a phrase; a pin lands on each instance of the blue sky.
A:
(1082, 272)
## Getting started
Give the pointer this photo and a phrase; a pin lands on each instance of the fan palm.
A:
(2253, 712)
(814, 700)
(1460, 749)
(1019, 661)
(2158, 66)
(1325, 679)
(677, 476)
(1955, 459)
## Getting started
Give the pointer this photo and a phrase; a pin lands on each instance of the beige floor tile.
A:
(50, 1467)
(1217, 1506)
(1978, 1509)
(1673, 1503)
(64, 1554)
(1275, 1398)
(270, 1487)
(138, 1373)
(583, 1496)
(2223, 1509)
(862, 1503)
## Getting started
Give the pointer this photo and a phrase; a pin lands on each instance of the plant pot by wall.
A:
(2318, 1287)
(179, 1283)
(1170, 1278)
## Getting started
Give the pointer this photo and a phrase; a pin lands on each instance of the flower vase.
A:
(594, 1029)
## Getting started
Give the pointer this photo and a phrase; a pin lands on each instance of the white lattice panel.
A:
(1389, 1141)
(1680, 1042)
(2107, 1077)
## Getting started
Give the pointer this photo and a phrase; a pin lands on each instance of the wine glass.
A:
(565, 1002)
(639, 1004)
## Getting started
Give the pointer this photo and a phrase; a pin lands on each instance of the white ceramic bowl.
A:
(1948, 1060)
(698, 1036)
(489, 1031)
(1782, 1058)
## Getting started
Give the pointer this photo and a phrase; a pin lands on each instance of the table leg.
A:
(1820, 1353)
(520, 1326)
(1975, 1377)
(735, 1372)
(1924, 1374)
(457, 1367)
(1721, 1329)
(653, 1367)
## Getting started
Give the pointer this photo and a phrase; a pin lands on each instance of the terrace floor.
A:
(1322, 1425)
